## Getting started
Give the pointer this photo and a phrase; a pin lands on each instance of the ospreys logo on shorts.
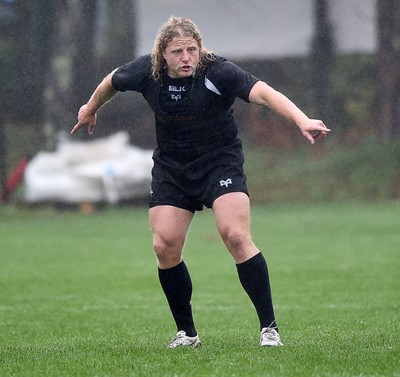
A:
(225, 183)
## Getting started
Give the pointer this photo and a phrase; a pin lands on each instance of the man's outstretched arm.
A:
(87, 113)
(263, 94)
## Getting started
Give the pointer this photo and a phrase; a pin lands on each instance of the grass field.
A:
(79, 295)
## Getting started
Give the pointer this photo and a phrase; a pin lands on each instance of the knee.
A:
(235, 239)
(168, 251)
(239, 244)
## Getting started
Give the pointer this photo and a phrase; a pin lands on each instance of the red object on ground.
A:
(14, 179)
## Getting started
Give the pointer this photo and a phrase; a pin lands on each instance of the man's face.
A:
(182, 56)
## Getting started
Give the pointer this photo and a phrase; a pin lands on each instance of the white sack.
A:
(106, 169)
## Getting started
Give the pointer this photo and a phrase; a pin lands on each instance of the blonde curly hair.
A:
(172, 28)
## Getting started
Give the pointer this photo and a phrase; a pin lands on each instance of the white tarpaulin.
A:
(103, 170)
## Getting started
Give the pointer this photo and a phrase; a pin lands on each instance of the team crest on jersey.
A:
(176, 97)
(225, 183)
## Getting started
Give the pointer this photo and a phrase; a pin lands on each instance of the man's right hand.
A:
(85, 117)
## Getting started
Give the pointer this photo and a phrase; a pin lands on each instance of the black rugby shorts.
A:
(192, 185)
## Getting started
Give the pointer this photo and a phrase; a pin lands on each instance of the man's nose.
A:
(185, 56)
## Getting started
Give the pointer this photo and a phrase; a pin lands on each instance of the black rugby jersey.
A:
(193, 115)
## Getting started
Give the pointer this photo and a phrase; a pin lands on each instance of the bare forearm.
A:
(87, 113)
(103, 93)
(263, 94)
(286, 108)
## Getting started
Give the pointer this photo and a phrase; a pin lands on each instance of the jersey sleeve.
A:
(132, 76)
(231, 80)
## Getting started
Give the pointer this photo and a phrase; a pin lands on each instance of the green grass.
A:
(79, 295)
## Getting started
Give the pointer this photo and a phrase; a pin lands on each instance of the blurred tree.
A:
(83, 59)
(116, 33)
(7, 21)
(323, 61)
(26, 52)
(388, 87)
(116, 45)
(27, 29)
(93, 37)
(52, 55)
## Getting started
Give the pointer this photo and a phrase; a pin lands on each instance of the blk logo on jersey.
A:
(176, 89)
(173, 88)
(225, 183)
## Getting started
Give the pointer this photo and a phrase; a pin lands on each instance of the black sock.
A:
(177, 287)
(253, 275)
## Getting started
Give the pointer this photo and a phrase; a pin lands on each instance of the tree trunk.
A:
(323, 60)
(118, 42)
(388, 68)
(83, 58)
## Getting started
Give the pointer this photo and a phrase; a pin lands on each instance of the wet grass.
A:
(79, 294)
